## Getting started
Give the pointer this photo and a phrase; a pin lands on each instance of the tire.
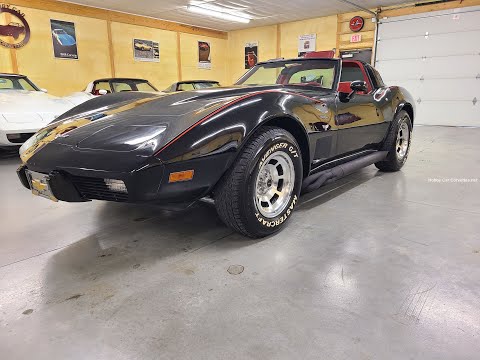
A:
(268, 168)
(397, 143)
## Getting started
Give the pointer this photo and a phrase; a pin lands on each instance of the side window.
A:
(350, 74)
(102, 85)
(25, 85)
(6, 84)
(185, 87)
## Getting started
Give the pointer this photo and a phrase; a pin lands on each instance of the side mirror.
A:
(44, 90)
(102, 92)
(358, 86)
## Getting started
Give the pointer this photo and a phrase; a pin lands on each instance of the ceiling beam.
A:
(359, 7)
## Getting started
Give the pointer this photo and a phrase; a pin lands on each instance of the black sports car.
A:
(288, 126)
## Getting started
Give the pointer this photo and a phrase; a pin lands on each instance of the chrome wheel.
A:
(274, 184)
(403, 140)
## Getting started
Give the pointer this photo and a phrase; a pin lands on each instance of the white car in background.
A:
(25, 108)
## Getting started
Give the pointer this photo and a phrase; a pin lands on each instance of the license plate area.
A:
(39, 185)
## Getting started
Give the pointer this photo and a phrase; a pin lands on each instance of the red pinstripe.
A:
(220, 109)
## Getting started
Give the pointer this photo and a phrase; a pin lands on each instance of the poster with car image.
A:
(306, 44)
(251, 54)
(64, 39)
(204, 59)
(146, 50)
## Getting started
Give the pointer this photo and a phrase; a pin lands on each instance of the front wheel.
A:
(258, 194)
(397, 143)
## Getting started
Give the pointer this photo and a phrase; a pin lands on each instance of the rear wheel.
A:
(259, 193)
(397, 143)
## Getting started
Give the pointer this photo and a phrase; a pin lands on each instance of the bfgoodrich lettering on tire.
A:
(257, 196)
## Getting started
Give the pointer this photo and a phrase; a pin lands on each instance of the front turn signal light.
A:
(186, 175)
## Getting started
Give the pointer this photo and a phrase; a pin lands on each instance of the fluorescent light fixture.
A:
(218, 14)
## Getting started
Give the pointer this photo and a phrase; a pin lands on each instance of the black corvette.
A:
(286, 127)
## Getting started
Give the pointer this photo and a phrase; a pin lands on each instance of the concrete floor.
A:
(376, 266)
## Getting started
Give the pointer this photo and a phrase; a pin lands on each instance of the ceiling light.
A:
(218, 14)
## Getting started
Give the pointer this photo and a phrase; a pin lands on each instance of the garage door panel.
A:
(447, 113)
(441, 70)
(433, 25)
(467, 66)
(453, 89)
(439, 45)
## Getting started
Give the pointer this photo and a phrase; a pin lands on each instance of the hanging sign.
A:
(357, 23)
(15, 32)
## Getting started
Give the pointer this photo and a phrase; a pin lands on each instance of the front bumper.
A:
(149, 184)
(16, 137)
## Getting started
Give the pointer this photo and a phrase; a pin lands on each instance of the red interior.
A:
(344, 86)
(330, 54)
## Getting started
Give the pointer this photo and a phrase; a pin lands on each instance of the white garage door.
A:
(436, 56)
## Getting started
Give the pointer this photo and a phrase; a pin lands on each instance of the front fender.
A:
(227, 131)
(402, 100)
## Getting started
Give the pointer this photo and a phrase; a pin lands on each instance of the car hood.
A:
(139, 121)
(23, 101)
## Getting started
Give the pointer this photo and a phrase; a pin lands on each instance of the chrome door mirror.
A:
(358, 86)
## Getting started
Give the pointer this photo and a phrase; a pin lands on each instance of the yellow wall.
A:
(189, 58)
(324, 27)
(60, 76)
(267, 48)
(160, 74)
(344, 32)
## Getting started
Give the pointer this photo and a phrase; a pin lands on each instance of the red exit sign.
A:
(356, 38)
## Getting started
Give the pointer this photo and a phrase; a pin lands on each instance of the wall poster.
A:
(306, 44)
(204, 59)
(64, 39)
(251, 54)
(146, 50)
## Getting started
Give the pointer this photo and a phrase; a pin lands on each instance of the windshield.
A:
(132, 85)
(206, 85)
(16, 83)
(315, 72)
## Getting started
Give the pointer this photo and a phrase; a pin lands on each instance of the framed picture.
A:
(204, 59)
(146, 50)
(251, 54)
(306, 44)
(64, 39)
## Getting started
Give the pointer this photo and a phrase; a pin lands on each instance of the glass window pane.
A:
(185, 87)
(6, 84)
(144, 86)
(120, 86)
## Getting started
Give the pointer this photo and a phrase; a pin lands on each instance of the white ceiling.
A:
(263, 12)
